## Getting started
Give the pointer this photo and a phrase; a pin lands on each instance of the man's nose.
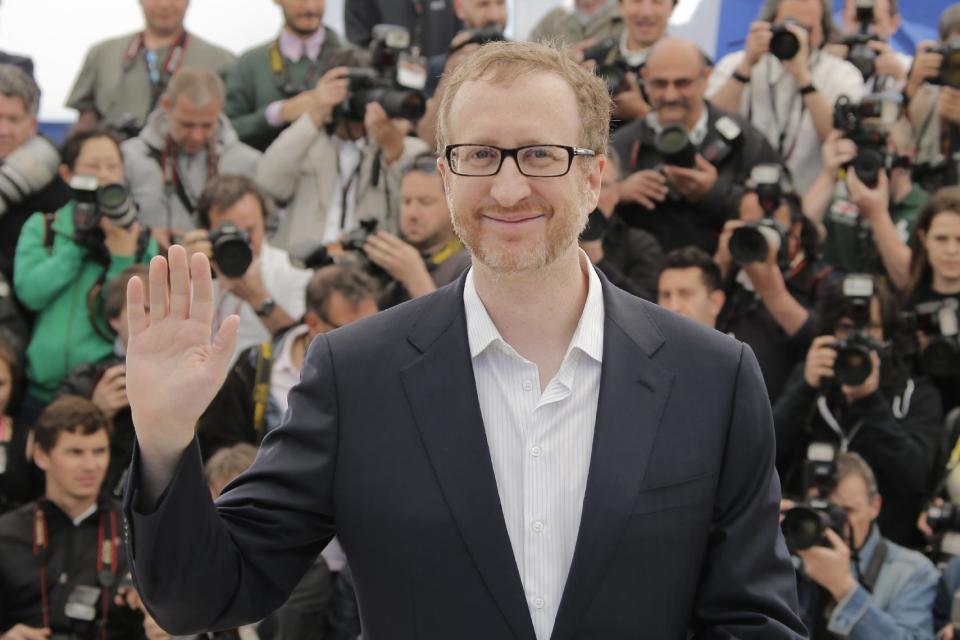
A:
(509, 185)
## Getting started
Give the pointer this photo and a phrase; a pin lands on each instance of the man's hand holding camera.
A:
(646, 188)
(695, 183)
(820, 365)
(249, 287)
(871, 202)
(23, 632)
(799, 65)
(331, 90)
(948, 104)
(386, 133)
(836, 152)
(110, 394)
(887, 63)
(757, 44)
(630, 104)
(926, 66)
(401, 260)
(830, 566)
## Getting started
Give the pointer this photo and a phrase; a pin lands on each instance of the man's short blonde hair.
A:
(504, 63)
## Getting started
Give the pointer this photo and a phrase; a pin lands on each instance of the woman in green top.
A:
(60, 273)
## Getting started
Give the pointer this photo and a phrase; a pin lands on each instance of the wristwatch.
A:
(266, 308)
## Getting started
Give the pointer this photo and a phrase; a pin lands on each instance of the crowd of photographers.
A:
(802, 195)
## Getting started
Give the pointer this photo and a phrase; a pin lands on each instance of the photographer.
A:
(856, 583)
(629, 257)
(933, 91)
(19, 480)
(186, 143)
(786, 84)
(867, 228)
(428, 254)
(104, 382)
(64, 260)
(868, 27)
(682, 187)
(933, 292)
(853, 393)
(337, 165)
(29, 181)
(592, 20)
(690, 284)
(435, 21)
(122, 79)
(253, 279)
(771, 262)
(273, 84)
(58, 576)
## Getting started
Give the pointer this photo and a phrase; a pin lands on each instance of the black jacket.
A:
(631, 259)
(676, 222)
(81, 382)
(384, 445)
(437, 26)
(902, 451)
(71, 561)
(49, 199)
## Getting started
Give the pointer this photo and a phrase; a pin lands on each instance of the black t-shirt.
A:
(949, 385)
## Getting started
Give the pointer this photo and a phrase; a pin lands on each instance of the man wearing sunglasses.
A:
(528, 453)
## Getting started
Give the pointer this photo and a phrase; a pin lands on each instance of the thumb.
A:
(632, 81)
(225, 342)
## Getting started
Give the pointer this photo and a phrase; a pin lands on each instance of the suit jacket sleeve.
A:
(200, 565)
(748, 587)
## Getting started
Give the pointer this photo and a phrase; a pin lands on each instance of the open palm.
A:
(174, 369)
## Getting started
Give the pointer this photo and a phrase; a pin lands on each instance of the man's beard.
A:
(563, 227)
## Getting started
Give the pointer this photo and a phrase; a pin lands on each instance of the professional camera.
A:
(949, 75)
(614, 73)
(675, 147)
(231, 250)
(395, 78)
(859, 53)
(938, 320)
(784, 44)
(867, 124)
(596, 227)
(93, 202)
(27, 170)
(853, 365)
(943, 518)
(753, 241)
(481, 36)
(806, 524)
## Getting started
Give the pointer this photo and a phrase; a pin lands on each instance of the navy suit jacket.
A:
(384, 446)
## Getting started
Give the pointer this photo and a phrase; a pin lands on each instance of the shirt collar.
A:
(284, 359)
(633, 57)
(86, 514)
(482, 333)
(293, 47)
(869, 546)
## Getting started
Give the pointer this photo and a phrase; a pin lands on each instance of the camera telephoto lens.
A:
(115, 203)
(231, 250)
(803, 528)
(868, 164)
(853, 365)
(675, 147)
(784, 44)
(748, 245)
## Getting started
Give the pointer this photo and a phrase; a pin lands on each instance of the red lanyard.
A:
(173, 61)
(107, 561)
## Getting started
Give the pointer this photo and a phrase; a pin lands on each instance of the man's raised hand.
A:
(174, 369)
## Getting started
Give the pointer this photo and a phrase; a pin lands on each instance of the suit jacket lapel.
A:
(633, 394)
(456, 444)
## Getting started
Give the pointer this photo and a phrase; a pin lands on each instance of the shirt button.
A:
(536, 451)
(538, 603)
(538, 526)
(527, 385)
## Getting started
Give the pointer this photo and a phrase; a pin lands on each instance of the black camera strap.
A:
(173, 185)
(868, 579)
(107, 560)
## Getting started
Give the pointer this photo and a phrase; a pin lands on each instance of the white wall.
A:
(57, 33)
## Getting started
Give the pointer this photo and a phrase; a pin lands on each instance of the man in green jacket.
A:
(61, 273)
(275, 83)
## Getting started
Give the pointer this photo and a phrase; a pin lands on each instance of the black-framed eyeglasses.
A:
(533, 160)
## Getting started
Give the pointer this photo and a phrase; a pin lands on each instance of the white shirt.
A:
(773, 104)
(697, 135)
(285, 284)
(349, 157)
(284, 374)
(540, 443)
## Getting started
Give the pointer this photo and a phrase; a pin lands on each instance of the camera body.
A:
(94, 202)
(806, 524)
(394, 78)
(753, 241)
(938, 319)
(859, 52)
(944, 518)
(867, 124)
(231, 250)
(949, 75)
(853, 364)
(614, 73)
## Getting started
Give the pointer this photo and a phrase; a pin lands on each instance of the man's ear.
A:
(312, 320)
(65, 173)
(114, 324)
(717, 299)
(41, 458)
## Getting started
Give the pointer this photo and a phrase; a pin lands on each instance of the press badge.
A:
(412, 71)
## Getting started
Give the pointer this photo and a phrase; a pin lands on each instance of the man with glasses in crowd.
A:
(646, 440)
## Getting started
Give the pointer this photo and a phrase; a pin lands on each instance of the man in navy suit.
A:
(527, 453)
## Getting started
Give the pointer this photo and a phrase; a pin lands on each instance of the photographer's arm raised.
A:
(874, 207)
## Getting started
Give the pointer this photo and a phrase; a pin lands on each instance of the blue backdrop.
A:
(919, 23)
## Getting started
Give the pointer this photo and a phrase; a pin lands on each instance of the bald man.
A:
(685, 205)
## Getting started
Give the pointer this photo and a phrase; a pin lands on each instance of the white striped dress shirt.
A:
(540, 443)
